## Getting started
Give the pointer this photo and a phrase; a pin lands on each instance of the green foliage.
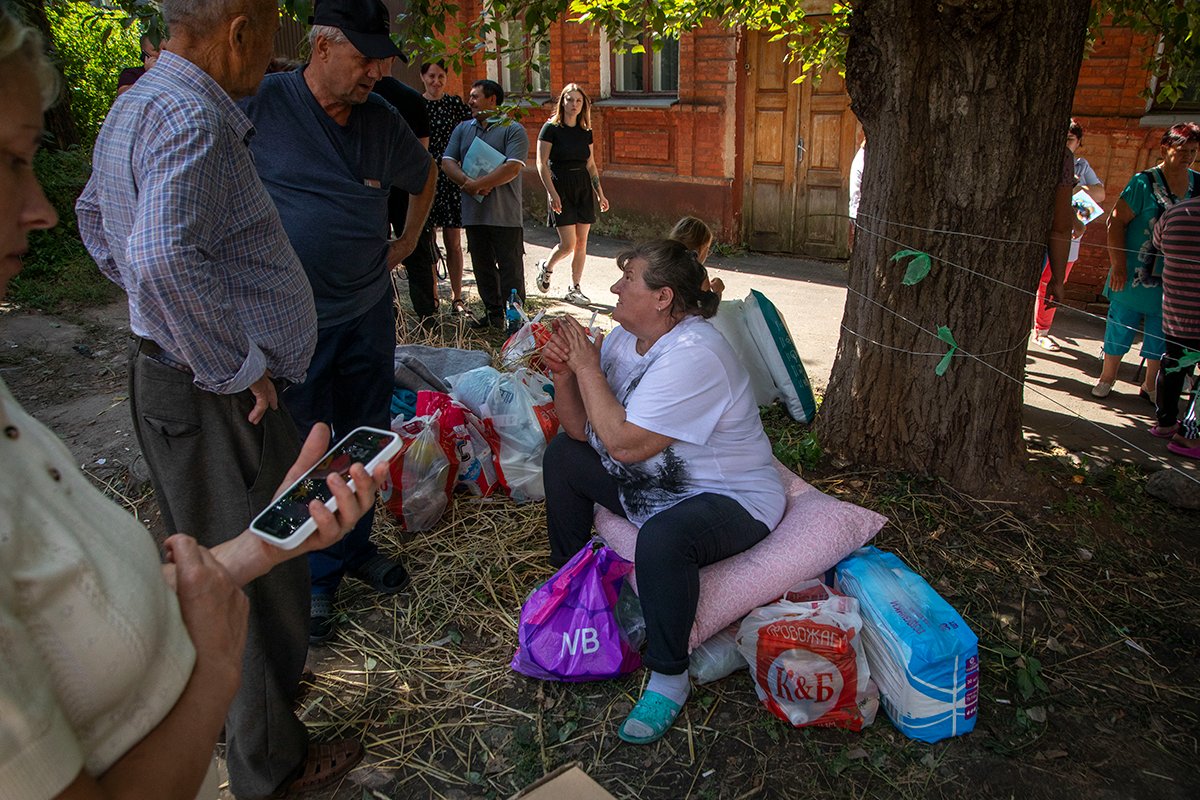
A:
(1178, 23)
(93, 47)
(431, 29)
(58, 270)
(793, 443)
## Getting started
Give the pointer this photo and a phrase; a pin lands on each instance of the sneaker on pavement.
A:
(1102, 389)
(576, 295)
(543, 276)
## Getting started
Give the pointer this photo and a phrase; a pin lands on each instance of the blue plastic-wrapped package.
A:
(921, 653)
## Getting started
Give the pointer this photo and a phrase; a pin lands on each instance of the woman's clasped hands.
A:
(571, 349)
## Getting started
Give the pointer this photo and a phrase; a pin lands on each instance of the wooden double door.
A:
(799, 143)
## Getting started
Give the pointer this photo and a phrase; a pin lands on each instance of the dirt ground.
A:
(1085, 605)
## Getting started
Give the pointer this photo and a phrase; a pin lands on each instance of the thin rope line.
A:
(1060, 306)
(942, 230)
(951, 263)
(949, 232)
(1156, 459)
(1023, 344)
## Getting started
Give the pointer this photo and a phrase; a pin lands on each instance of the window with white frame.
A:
(522, 67)
(648, 72)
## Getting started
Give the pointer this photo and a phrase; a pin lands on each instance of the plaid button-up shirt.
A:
(176, 215)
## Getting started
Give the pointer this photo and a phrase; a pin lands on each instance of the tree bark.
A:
(60, 124)
(965, 104)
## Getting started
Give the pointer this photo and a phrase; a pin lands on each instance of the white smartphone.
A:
(286, 522)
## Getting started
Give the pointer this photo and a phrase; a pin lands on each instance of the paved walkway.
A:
(811, 295)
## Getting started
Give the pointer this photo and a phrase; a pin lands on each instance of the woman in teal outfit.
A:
(1134, 290)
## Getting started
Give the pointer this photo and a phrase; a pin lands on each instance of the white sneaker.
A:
(543, 276)
(577, 296)
(1102, 389)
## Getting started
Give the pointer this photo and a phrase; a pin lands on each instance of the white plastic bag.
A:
(807, 660)
(522, 413)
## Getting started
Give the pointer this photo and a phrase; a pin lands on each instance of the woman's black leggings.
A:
(672, 545)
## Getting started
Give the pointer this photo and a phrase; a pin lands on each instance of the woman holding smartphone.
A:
(569, 173)
(116, 671)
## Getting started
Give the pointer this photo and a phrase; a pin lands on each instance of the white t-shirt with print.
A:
(696, 392)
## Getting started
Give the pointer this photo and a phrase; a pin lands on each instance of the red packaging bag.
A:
(807, 660)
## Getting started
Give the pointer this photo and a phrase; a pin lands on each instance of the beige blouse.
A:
(93, 651)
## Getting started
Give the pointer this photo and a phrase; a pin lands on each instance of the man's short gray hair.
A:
(332, 35)
(199, 17)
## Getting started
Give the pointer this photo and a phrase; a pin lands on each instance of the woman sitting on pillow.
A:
(660, 426)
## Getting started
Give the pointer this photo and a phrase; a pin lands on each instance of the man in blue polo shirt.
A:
(495, 235)
(329, 151)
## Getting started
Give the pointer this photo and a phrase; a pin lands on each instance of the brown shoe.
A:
(326, 764)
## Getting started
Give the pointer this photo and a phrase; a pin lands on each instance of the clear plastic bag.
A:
(421, 475)
(629, 616)
(717, 657)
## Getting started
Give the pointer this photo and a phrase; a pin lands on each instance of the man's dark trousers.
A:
(212, 472)
(422, 287)
(498, 261)
(349, 384)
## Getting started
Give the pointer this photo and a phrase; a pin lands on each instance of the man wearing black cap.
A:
(329, 152)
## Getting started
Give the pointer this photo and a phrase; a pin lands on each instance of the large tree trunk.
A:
(965, 104)
(60, 124)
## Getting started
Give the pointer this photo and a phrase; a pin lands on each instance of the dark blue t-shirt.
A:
(330, 184)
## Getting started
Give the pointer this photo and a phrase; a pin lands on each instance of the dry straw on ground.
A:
(1087, 607)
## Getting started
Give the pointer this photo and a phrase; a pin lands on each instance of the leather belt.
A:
(151, 349)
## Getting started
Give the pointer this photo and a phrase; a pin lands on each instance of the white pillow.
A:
(770, 334)
(730, 320)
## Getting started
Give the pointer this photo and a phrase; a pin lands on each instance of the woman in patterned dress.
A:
(445, 112)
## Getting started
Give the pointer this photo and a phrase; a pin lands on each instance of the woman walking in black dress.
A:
(568, 171)
(445, 112)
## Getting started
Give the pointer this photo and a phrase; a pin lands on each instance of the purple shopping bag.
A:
(568, 631)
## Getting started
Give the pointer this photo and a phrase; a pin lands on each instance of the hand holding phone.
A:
(286, 523)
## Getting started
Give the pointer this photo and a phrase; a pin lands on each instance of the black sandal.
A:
(382, 574)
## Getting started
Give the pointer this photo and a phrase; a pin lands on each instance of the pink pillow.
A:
(816, 532)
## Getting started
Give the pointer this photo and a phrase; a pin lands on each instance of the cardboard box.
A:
(568, 781)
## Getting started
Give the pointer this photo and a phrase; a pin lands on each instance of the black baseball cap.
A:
(365, 23)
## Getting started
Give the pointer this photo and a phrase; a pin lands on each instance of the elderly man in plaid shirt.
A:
(223, 320)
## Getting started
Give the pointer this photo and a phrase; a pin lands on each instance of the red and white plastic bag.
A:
(806, 658)
(472, 443)
(522, 412)
(524, 347)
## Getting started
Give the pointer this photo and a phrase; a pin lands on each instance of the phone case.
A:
(306, 529)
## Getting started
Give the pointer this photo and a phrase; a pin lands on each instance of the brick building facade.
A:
(718, 143)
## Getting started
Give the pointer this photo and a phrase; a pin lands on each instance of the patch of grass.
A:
(58, 271)
(793, 443)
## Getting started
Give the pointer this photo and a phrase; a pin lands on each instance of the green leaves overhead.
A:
(918, 267)
(946, 336)
(432, 29)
